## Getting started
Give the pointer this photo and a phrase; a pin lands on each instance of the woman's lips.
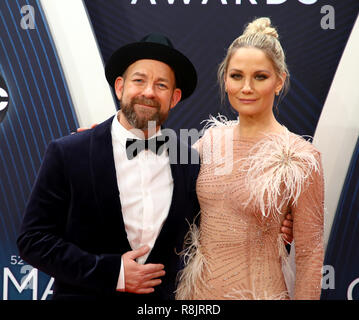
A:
(247, 100)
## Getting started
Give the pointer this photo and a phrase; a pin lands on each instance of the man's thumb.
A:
(139, 252)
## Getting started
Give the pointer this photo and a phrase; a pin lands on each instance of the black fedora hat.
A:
(156, 47)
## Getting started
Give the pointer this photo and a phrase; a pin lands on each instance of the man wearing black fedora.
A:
(104, 223)
(110, 207)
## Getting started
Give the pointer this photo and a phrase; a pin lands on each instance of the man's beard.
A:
(141, 122)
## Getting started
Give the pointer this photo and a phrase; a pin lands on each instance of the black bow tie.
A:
(135, 146)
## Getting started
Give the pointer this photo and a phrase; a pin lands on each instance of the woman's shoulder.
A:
(214, 129)
(220, 122)
(280, 157)
(284, 152)
(302, 143)
(217, 125)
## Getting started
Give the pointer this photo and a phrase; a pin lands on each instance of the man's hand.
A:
(84, 128)
(287, 228)
(141, 278)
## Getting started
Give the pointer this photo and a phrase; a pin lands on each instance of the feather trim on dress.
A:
(246, 294)
(194, 262)
(277, 168)
(219, 121)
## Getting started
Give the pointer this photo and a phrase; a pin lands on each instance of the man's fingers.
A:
(152, 268)
(86, 128)
(141, 278)
(155, 275)
(134, 254)
(145, 291)
(82, 129)
(287, 238)
(286, 231)
(151, 283)
(288, 223)
(144, 286)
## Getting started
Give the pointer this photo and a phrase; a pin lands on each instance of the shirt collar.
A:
(121, 134)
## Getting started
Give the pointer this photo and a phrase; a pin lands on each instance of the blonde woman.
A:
(246, 189)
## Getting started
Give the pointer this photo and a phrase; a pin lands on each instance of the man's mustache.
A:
(146, 101)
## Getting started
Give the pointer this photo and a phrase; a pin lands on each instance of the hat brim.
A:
(185, 72)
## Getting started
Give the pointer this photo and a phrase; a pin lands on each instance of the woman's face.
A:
(251, 82)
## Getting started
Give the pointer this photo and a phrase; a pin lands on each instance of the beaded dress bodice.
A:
(244, 188)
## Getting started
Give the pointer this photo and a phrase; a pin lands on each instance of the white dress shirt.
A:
(145, 187)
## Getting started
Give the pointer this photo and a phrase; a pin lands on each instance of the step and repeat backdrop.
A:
(52, 82)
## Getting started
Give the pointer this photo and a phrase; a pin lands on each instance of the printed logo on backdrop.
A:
(224, 2)
(4, 99)
(24, 282)
(328, 13)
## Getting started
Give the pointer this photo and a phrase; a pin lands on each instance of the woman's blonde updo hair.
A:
(261, 35)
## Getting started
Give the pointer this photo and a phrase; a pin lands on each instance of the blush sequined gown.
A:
(245, 187)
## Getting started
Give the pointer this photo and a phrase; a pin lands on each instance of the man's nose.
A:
(148, 91)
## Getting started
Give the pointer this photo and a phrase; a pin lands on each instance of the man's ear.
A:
(119, 83)
(176, 97)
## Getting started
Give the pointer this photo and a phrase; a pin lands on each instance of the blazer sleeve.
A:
(42, 241)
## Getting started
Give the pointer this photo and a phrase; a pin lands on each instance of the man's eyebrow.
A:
(138, 74)
(163, 80)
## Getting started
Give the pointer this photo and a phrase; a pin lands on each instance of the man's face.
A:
(147, 92)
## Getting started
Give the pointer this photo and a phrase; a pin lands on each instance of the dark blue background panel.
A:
(204, 31)
(343, 248)
(39, 110)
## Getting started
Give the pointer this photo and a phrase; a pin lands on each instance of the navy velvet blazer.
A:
(73, 228)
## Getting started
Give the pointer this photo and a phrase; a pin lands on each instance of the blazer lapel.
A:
(170, 225)
(104, 178)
